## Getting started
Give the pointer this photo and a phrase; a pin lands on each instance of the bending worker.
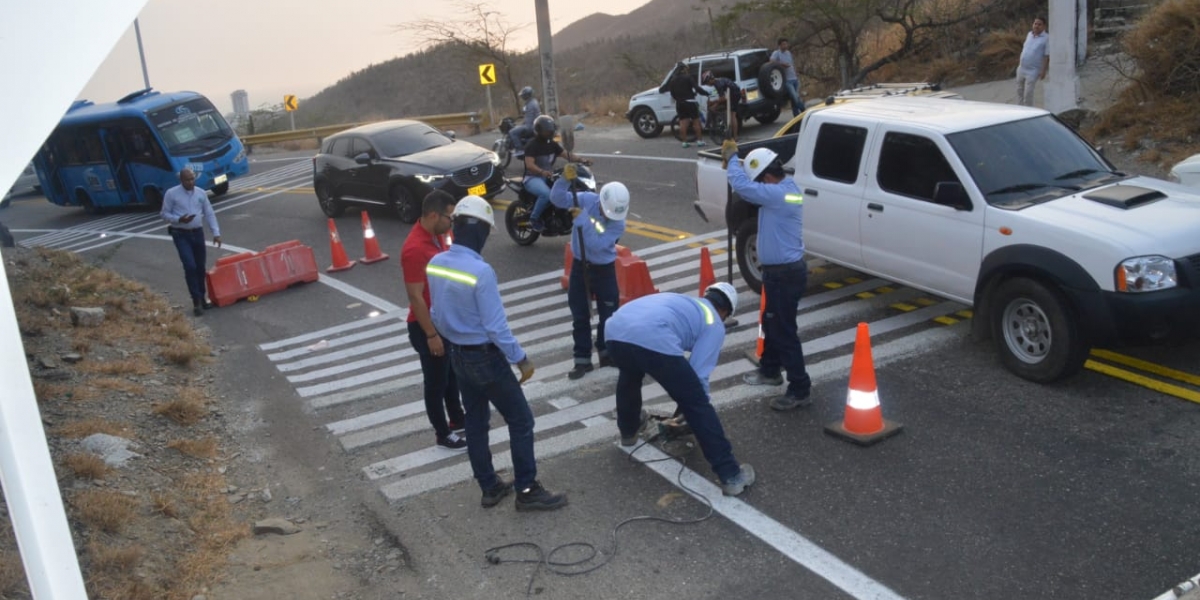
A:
(469, 315)
(649, 336)
(784, 273)
(600, 222)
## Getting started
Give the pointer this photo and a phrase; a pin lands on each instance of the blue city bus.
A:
(129, 152)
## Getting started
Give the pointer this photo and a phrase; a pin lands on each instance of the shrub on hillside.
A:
(1166, 48)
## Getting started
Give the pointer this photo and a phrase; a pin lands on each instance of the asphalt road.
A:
(996, 488)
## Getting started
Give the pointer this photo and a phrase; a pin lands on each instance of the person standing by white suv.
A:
(783, 56)
(1035, 61)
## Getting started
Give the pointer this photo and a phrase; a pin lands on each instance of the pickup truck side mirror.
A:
(363, 158)
(952, 194)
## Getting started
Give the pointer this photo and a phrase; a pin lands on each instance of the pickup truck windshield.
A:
(1021, 163)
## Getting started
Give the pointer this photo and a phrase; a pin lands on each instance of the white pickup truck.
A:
(997, 206)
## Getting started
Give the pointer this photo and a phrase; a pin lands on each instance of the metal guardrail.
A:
(471, 120)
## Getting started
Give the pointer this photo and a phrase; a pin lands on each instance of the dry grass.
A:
(115, 558)
(86, 466)
(105, 510)
(607, 110)
(85, 427)
(183, 353)
(164, 505)
(124, 386)
(212, 517)
(202, 448)
(12, 574)
(140, 365)
(188, 409)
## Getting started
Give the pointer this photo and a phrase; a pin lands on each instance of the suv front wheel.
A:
(1035, 332)
(645, 123)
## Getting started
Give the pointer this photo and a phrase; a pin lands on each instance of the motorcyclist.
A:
(532, 110)
(723, 85)
(540, 154)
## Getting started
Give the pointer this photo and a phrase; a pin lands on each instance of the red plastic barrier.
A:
(633, 278)
(248, 274)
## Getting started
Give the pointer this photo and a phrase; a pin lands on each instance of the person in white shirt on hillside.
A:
(1035, 61)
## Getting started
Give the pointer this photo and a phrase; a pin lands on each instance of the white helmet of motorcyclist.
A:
(725, 289)
(614, 200)
(758, 160)
(474, 206)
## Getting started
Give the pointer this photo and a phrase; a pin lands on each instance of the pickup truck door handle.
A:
(810, 192)
(875, 207)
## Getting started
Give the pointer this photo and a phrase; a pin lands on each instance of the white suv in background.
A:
(651, 110)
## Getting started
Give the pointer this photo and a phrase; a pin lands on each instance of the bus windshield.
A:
(190, 127)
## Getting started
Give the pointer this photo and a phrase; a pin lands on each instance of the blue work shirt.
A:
(671, 324)
(532, 111)
(466, 309)
(179, 203)
(600, 233)
(780, 215)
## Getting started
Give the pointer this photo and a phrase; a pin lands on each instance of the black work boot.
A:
(493, 496)
(197, 306)
(536, 497)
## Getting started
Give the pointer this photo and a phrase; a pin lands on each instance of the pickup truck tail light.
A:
(1146, 274)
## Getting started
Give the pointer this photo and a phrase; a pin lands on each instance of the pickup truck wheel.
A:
(332, 207)
(746, 249)
(645, 123)
(1037, 337)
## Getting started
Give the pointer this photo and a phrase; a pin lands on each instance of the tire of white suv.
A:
(1035, 332)
(645, 123)
(746, 250)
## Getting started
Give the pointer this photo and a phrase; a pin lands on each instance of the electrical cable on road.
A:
(567, 568)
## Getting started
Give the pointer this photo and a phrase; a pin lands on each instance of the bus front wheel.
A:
(219, 190)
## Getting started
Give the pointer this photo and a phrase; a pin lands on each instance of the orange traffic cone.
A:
(340, 262)
(633, 278)
(863, 423)
(370, 243)
(755, 355)
(568, 257)
(707, 277)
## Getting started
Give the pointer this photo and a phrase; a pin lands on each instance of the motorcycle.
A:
(556, 221)
(503, 146)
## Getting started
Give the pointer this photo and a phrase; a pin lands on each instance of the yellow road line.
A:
(1142, 380)
(904, 307)
(944, 320)
(1147, 366)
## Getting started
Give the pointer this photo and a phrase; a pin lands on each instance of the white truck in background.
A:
(1000, 207)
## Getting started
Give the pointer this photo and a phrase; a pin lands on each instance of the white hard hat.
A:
(474, 206)
(614, 200)
(728, 290)
(758, 160)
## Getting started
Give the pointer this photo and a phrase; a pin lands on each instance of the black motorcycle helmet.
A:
(544, 127)
(526, 93)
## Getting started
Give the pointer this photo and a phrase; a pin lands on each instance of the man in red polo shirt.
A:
(427, 238)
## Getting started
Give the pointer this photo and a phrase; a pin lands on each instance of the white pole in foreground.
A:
(30, 487)
(137, 29)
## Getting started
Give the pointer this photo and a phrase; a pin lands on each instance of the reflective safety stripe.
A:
(794, 199)
(451, 274)
(597, 225)
(708, 315)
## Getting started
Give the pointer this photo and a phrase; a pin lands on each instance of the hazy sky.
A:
(274, 47)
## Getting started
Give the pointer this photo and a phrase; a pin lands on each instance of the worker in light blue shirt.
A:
(469, 316)
(182, 205)
(762, 181)
(650, 336)
(599, 224)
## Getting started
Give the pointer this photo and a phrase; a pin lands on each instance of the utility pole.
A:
(549, 87)
(137, 29)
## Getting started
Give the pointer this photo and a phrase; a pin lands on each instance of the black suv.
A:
(396, 164)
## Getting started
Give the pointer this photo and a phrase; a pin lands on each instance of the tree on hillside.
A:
(838, 28)
(483, 31)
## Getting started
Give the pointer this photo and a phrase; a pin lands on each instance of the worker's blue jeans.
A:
(681, 383)
(484, 376)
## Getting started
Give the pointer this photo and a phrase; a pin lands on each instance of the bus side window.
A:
(141, 145)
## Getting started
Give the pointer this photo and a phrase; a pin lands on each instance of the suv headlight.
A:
(428, 178)
(1146, 274)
